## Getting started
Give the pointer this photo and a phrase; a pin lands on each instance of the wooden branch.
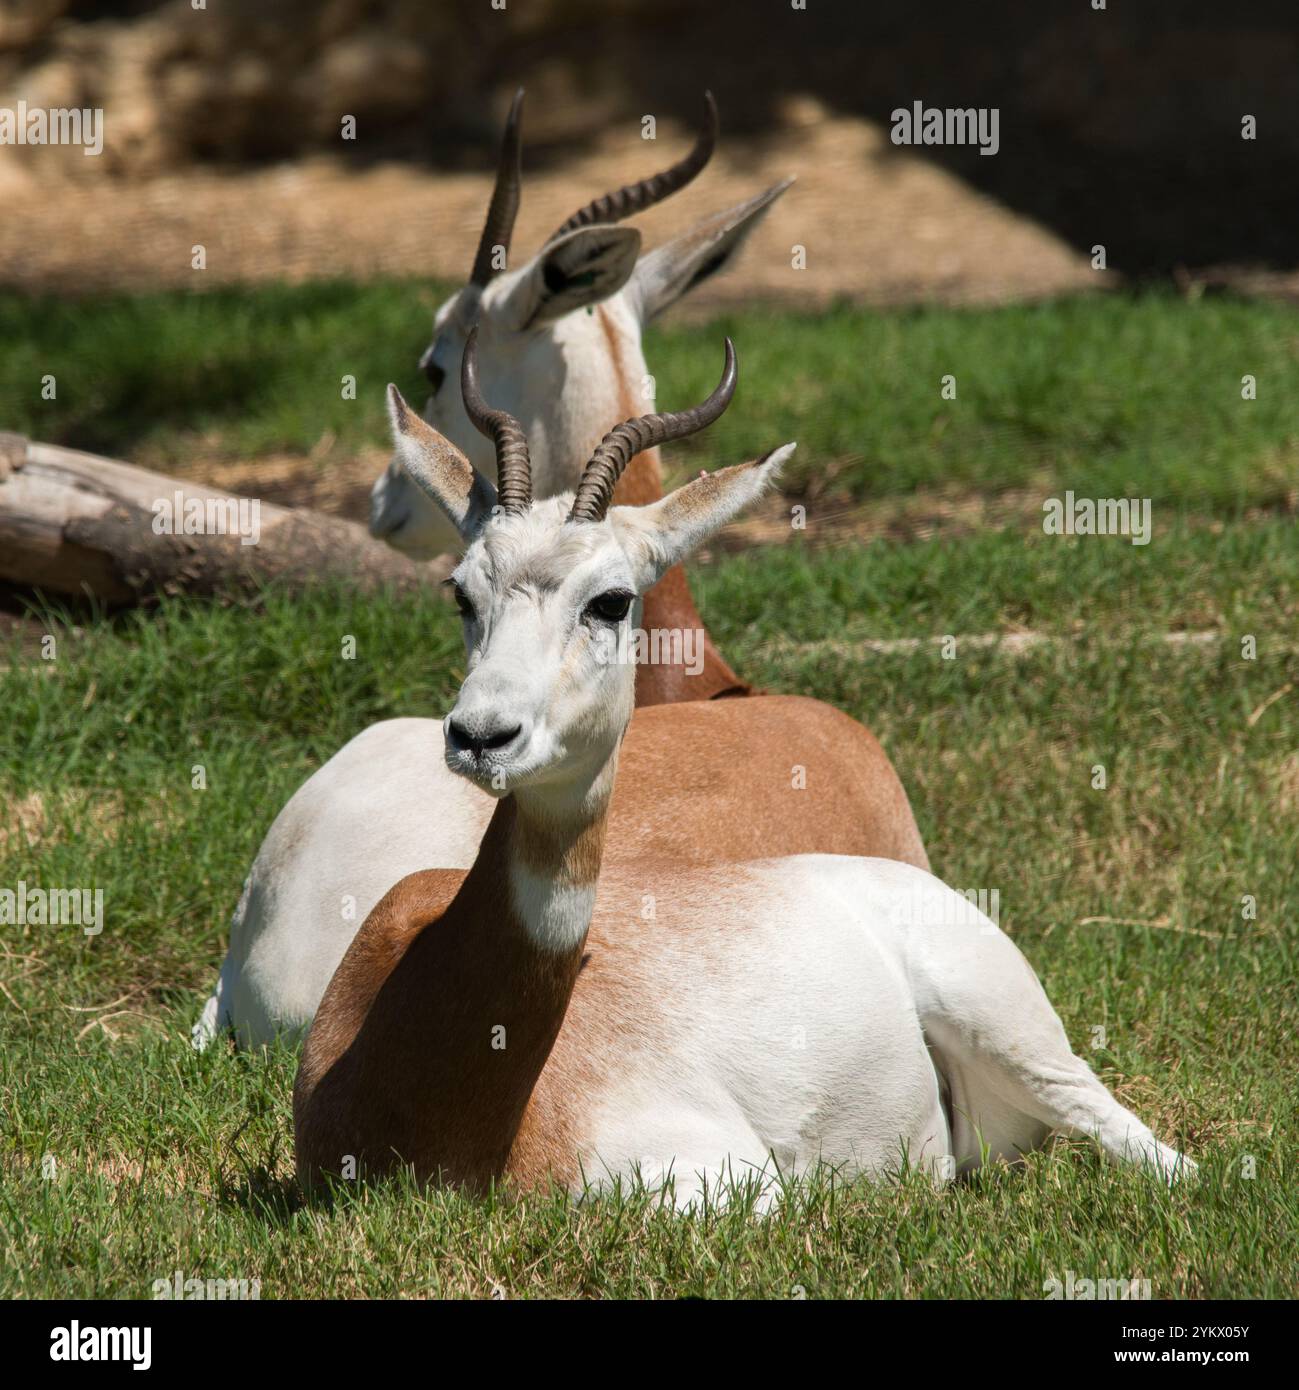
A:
(75, 523)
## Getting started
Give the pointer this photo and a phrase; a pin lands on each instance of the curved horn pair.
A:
(632, 437)
(623, 202)
(612, 454)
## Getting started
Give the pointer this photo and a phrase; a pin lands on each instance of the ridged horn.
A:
(504, 207)
(513, 465)
(625, 441)
(636, 197)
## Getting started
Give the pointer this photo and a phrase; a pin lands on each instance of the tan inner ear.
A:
(433, 462)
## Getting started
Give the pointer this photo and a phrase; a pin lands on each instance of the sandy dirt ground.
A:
(880, 225)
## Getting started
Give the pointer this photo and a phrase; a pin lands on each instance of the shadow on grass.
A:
(263, 1193)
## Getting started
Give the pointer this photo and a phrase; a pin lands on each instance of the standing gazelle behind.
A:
(527, 1019)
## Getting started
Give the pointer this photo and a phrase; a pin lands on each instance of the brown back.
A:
(718, 780)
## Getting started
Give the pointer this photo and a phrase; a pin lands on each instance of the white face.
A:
(558, 343)
(400, 513)
(559, 348)
(543, 603)
(548, 605)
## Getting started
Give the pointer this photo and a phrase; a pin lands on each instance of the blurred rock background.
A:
(1119, 126)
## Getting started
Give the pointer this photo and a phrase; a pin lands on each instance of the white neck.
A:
(568, 388)
(556, 849)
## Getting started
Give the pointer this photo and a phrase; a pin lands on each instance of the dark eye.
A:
(610, 607)
(462, 601)
(436, 376)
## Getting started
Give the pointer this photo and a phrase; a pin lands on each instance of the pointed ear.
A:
(662, 534)
(674, 269)
(438, 468)
(582, 267)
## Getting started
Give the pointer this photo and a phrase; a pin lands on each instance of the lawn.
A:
(1123, 396)
(124, 1156)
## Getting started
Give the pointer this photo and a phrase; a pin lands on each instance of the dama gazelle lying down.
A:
(559, 346)
(529, 1019)
(386, 805)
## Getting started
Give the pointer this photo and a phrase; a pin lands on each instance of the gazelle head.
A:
(550, 590)
(559, 337)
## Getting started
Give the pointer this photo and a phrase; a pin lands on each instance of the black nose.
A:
(477, 741)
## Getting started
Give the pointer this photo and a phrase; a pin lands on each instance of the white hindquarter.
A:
(829, 1009)
(762, 1033)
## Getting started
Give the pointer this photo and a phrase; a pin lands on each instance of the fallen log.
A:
(78, 524)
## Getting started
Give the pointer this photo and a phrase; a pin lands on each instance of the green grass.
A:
(1244, 578)
(166, 1160)
(1111, 396)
